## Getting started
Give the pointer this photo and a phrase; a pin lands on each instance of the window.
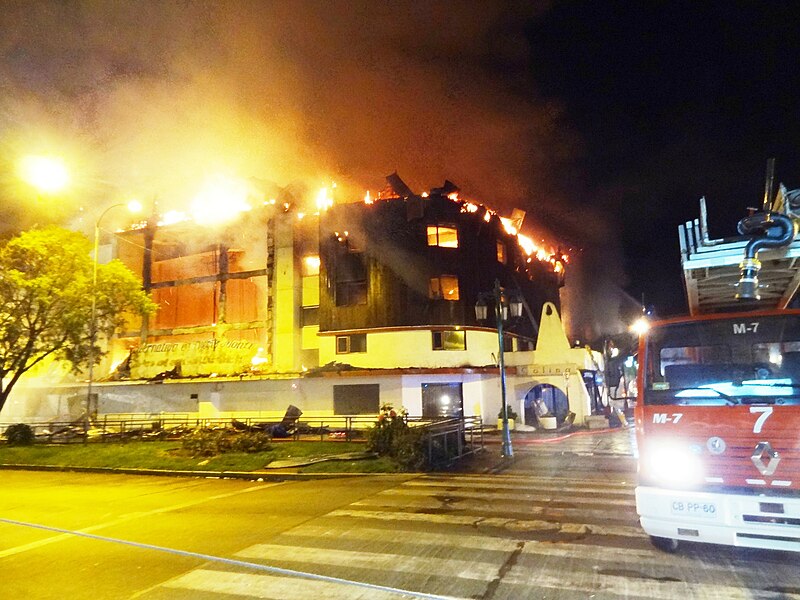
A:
(309, 316)
(351, 279)
(449, 340)
(501, 252)
(723, 362)
(444, 287)
(351, 293)
(356, 399)
(348, 344)
(442, 400)
(524, 345)
(445, 236)
(311, 265)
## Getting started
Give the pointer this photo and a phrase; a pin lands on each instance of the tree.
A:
(46, 302)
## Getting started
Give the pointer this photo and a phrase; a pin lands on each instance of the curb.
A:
(246, 475)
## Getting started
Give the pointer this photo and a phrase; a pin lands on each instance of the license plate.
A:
(690, 508)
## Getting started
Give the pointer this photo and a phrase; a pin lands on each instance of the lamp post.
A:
(503, 305)
(134, 207)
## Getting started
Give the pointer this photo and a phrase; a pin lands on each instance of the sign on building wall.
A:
(191, 359)
(562, 369)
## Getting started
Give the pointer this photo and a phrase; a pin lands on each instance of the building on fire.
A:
(338, 312)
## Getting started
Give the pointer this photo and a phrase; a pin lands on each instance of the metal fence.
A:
(451, 439)
(446, 439)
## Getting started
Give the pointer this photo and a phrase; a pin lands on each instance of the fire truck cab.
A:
(718, 410)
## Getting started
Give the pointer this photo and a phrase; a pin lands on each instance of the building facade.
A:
(357, 305)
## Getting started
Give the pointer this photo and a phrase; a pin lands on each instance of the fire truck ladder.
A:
(712, 268)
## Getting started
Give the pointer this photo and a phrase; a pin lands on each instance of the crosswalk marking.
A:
(598, 490)
(424, 538)
(462, 569)
(272, 587)
(509, 524)
(471, 535)
(518, 497)
(482, 507)
(559, 577)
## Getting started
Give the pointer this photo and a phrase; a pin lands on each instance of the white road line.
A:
(424, 538)
(486, 507)
(276, 588)
(529, 480)
(589, 582)
(210, 558)
(130, 517)
(395, 563)
(521, 497)
(477, 521)
(594, 490)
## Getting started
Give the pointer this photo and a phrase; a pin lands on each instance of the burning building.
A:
(278, 292)
(337, 311)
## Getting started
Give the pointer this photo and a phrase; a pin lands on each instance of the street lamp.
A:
(503, 304)
(134, 207)
(47, 174)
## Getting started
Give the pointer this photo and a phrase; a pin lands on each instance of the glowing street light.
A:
(640, 326)
(134, 206)
(503, 304)
(47, 174)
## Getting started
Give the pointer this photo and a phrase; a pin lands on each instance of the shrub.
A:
(391, 436)
(511, 413)
(207, 442)
(20, 434)
(251, 441)
(408, 449)
(210, 442)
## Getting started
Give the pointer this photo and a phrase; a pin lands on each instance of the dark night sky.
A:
(606, 121)
(673, 101)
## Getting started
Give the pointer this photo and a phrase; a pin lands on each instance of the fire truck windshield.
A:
(753, 360)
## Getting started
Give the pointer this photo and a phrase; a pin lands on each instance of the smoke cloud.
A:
(148, 98)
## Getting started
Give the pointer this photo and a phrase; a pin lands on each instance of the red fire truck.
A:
(718, 410)
(718, 424)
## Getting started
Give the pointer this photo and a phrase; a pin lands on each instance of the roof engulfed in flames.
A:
(554, 257)
(223, 199)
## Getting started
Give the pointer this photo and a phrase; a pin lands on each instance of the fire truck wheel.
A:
(666, 544)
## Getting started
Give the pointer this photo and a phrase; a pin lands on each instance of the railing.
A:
(446, 439)
(451, 439)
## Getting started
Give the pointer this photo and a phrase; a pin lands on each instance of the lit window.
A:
(443, 236)
(449, 340)
(310, 265)
(501, 252)
(444, 287)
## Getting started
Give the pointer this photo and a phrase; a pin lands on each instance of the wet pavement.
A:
(614, 445)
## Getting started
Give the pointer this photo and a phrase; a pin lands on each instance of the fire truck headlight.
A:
(671, 463)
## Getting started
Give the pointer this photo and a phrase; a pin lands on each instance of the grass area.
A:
(168, 455)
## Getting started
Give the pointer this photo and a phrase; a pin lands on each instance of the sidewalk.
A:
(618, 442)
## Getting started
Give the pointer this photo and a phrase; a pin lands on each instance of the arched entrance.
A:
(544, 399)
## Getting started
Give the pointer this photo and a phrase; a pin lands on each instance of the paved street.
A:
(557, 522)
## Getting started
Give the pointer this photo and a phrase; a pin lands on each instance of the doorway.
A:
(545, 399)
(442, 400)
